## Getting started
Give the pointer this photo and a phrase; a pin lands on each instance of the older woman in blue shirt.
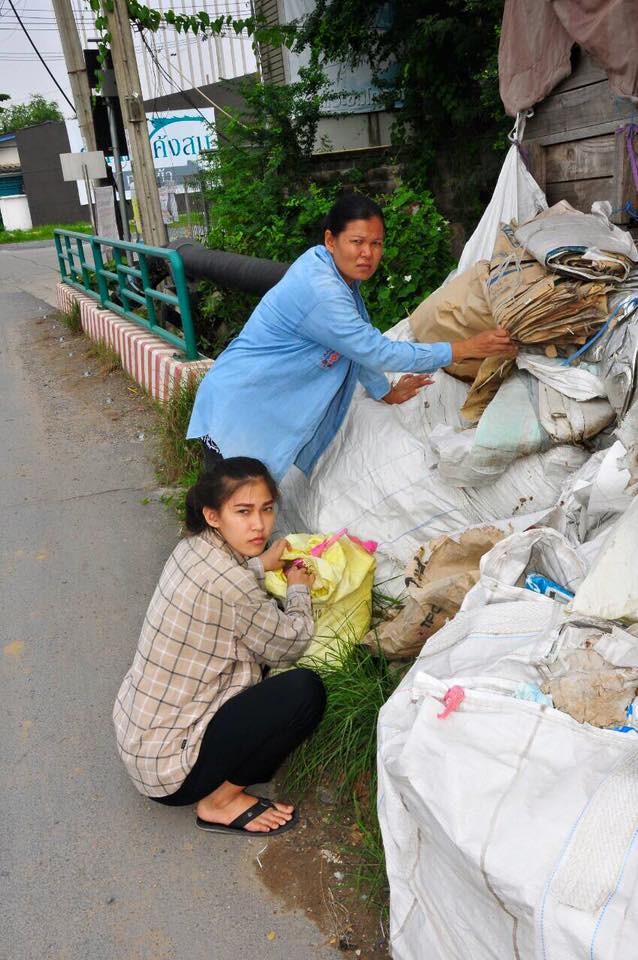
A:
(280, 391)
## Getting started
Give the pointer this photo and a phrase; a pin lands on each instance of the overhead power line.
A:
(40, 58)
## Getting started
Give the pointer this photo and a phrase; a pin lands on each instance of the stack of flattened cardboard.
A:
(536, 307)
(547, 283)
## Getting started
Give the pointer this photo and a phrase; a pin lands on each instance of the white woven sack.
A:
(611, 588)
(509, 828)
(376, 479)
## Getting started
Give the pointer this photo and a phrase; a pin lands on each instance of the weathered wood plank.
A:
(582, 160)
(575, 109)
(581, 193)
(580, 133)
(585, 72)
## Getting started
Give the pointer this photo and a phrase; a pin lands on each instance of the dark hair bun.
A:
(349, 207)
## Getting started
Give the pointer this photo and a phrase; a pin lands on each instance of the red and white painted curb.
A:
(148, 359)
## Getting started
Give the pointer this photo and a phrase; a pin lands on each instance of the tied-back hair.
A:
(349, 207)
(216, 485)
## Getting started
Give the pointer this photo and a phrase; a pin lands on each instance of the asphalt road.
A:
(90, 870)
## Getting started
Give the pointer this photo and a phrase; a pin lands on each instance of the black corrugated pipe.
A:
(231, 270)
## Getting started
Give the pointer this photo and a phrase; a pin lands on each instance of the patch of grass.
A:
(180, 459)
(383, 604)
(106, 358)
(342, 751)
(71, 318)
(44, 232)
(344, 746)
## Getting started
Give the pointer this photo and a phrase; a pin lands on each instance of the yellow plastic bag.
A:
(341, 593)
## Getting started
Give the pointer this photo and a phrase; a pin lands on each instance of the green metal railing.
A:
(84, 265)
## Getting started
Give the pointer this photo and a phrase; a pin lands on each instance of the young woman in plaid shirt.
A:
(196, 718)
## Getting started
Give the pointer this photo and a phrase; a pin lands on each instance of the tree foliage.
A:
(438, 64)
(20, 115)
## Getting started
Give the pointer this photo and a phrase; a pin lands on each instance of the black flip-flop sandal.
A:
(238, 824)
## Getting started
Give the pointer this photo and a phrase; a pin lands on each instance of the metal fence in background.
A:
(192, 211)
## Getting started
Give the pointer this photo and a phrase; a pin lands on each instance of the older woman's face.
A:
(357, 249)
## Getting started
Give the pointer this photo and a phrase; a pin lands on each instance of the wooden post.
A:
(76, 69)
(132, 102)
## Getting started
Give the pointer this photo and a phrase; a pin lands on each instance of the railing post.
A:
(61, 262)
(102, 285)
(69, 255)
(146, 284)
(85, 270)
(181, 288)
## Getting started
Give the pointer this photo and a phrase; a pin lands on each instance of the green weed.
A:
(344, 746)
(107, 359)
(71, 318)
(180, 459)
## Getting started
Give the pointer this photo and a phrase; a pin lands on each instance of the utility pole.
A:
(129, 89)
(76, 69)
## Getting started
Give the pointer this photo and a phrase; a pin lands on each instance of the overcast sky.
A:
(185, 60)
(21, 73)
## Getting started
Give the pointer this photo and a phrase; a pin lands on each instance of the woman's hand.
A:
(490, 343)
(300, 575)
(271, 558)
(407, 387)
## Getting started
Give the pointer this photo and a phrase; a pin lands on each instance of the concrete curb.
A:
(147, 358)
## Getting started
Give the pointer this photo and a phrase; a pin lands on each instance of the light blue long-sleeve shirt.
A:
(280, 391)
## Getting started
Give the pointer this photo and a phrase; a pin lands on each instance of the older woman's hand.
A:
(489, 343)
(407, 387)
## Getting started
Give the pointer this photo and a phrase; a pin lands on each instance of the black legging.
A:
(252, 734)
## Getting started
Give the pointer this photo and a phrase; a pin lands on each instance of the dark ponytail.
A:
(215, 486)
(350, 206)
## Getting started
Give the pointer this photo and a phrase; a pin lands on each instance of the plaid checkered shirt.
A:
(208, 630)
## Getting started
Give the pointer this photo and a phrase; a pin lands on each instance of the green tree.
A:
(436, 66)
(20, 115)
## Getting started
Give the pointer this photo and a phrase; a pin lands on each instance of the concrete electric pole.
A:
(129, 89)
(76, 68)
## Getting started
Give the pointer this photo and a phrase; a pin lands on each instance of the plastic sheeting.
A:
(510, 826)
(610, 590)
(516, 196)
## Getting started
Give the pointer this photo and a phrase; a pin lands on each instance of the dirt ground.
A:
(86, 396)
(312, 868)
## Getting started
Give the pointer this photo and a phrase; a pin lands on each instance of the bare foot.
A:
(214, 811)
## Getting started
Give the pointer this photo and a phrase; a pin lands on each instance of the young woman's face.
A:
(246, 519)
(357, 250)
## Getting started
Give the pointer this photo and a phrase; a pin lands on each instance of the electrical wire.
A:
(199, 91)
(190, 100)
(26, 33)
